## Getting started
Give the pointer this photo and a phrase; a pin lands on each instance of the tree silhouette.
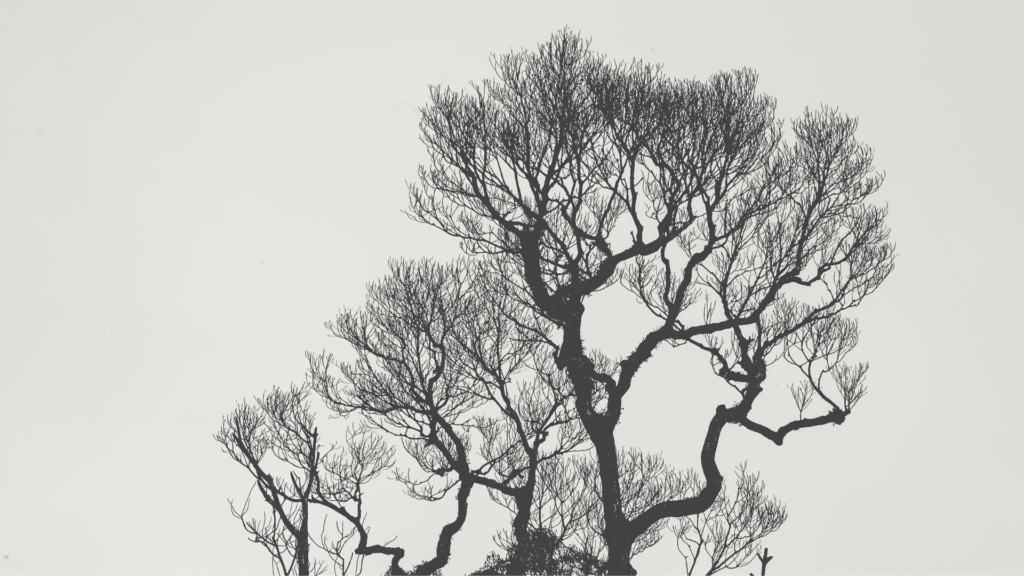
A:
(571, 174)
(565, 175)
(281, 423)
(441, 356)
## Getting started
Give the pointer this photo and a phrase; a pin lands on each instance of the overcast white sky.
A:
(188, 190)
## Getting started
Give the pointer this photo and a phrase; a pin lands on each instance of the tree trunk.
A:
(616, 526)
(618, 555)
(302, 542)
(521, 533)
(601, 429)
(444, 540)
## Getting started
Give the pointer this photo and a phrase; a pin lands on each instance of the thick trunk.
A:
(616, 529)
(302, 555)
(521, 533)
(444, 541)
(618, 557)
(302, 542)
(601, 429)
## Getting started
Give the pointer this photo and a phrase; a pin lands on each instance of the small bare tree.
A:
(282, 424)
(441, 354)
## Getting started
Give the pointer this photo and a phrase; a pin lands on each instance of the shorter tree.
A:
(441, 355)
(282, 424)
(247, 436)
(446, 360)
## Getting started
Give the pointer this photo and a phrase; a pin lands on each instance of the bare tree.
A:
(441, 351)
(282, 424)
(569, 174)
(729, 533)
(340, 488)
(566, 175)
(247, 436)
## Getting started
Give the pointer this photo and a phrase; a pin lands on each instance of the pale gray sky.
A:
(188, 190)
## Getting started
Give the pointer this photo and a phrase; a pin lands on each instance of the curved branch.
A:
(776, 436)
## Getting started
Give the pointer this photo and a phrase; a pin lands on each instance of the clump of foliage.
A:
(542, 553)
